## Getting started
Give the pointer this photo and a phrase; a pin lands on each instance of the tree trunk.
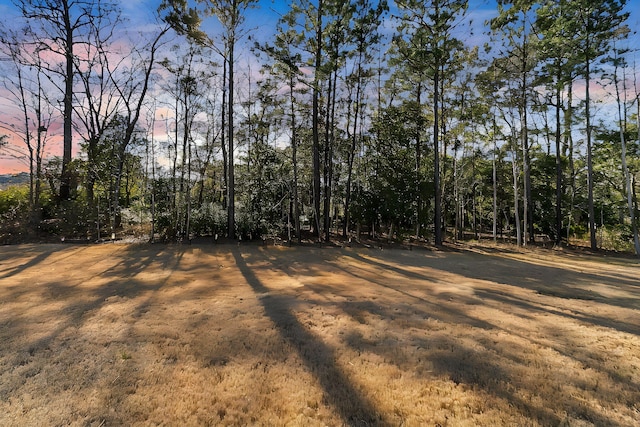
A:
(437, 218)
(65, 178)
(495, 182)
(327, 161)
(352, 150)
(592, 222)
(117, 214)
(223, 137)
(558, 137)
(418, 164)
(569, 147)
(231, 207)
(294, 154)
(622, 119)
(330, 142)
(516, 196)
(525, 154)
(315, 123)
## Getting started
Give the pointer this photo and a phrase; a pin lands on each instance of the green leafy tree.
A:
(432, 23)
(285, 65)
(597, 23)
(230, 13)
(559, 69)
(393, 159)
(364, 35)
(514, 24)
(618, 60)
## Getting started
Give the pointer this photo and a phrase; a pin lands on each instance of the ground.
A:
(191, 335)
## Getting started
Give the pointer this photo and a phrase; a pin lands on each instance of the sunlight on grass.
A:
(228, 335)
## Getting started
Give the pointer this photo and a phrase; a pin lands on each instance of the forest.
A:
(404, 120)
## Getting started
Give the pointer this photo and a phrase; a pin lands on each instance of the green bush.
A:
(208, 220)
(14, 198)
(616, 238)
(14, 214)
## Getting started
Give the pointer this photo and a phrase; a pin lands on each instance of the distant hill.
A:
(14, 179)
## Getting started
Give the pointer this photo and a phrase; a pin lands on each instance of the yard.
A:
(196, 335)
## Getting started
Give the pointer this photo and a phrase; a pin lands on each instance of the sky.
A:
(261, 23)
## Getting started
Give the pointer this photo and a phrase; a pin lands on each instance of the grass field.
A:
(114, 335)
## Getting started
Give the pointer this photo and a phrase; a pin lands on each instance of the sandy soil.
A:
(113, 335)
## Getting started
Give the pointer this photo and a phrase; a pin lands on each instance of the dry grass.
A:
(225, 335)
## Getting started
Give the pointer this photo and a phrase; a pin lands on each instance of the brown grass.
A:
(245, 335)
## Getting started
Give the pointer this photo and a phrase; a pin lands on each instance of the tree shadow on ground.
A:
(474, 361)
(41, 256)
(77, 303)
(56, 336)
(484, 366)
(320, 359)
(564, 284)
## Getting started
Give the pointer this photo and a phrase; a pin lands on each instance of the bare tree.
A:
(25, 84)
(61, 26)
(132, 87)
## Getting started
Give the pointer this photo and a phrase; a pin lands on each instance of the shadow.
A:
(486, 364)
(73, 304)
(575, 314)
(543, 279)
(80, 304)
(481, 369)
(339, 392)
(402, 307)
(34, 261)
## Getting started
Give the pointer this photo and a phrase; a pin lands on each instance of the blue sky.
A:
(266, 14)
(263, 19)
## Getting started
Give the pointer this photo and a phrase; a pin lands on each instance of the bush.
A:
(14, 214)
(208, 220)
(14, 199)
(616, 238)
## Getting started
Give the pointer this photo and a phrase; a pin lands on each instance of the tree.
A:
(230, 13)
(488, 86)
(323, 25)
(559, 69)
(96, 102)
(364, 35)
(619, 63)
(597, 22)
(25, 81)
(433, 23)
(61, 26)
(132, 91)
(390, 198)
(286, 66)
(410, 63)
(463, 111)
(515, 23)
(190, 86)
(317, 48)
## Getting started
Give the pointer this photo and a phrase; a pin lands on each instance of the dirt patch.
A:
(117, 334)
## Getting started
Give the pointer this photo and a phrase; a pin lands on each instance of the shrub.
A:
(208, 219)
(14, 214)
(14, 198)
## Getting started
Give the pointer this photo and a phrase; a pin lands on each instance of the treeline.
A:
(353, 117)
